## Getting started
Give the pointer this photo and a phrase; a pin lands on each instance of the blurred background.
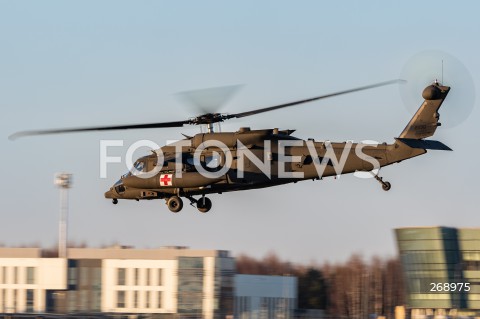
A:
(67, 64)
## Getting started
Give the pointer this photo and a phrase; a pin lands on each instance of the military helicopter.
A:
(217, 162)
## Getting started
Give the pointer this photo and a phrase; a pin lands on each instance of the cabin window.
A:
(307, 160)
(211, 163)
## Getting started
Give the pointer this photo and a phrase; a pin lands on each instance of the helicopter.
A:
(217, 162)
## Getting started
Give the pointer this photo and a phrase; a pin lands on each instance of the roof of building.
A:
(118, 252)
(7, 252)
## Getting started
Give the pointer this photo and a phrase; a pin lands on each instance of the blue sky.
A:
(88, 63)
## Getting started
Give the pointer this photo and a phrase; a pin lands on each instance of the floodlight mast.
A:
(64, 182)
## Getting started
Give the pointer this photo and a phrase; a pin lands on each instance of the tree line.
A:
(353, 289)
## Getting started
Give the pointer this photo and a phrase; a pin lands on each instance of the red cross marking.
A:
(166, 179)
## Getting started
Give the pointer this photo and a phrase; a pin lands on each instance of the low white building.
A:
(265, 297)
(25, 279)
(175, 280)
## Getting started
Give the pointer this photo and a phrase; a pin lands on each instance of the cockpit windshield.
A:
(137, 169)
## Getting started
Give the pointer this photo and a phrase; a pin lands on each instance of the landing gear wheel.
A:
(386, 186)
(204, 204)
(175, 204)
(114, 201)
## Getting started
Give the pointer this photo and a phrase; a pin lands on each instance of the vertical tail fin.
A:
(425, 121)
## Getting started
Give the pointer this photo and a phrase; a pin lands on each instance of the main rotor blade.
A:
(210, 118)
(97, 128)
(280, 106)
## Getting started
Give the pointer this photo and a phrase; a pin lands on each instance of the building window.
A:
(4, 299)
(15, 275)
(71, 298)
(136, 276)
(14, 292)
(147, 299)
(3, 275)
(30, 299)
(30, 275)
(159, 279)
(147, 277)
(190, 285)
(135, 299)
(84, 275)
(159, 299)
(121, 276)
(72, 275)
(120, 299)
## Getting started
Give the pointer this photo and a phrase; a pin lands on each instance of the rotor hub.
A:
(208, 118)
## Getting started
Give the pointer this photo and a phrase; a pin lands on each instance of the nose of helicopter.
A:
(109, 193)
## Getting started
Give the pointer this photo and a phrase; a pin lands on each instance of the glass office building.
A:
(441, 266)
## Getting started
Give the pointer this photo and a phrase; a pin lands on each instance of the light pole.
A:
(64, 182)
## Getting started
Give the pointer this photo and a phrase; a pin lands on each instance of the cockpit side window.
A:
(138, 168)
(191, 161)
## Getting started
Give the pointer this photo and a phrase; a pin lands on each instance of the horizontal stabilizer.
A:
(425, 144)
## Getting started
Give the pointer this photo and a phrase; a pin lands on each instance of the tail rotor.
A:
(444, 69)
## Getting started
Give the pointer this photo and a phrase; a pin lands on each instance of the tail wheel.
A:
(386, 186)
(175, 204)
(204, 204)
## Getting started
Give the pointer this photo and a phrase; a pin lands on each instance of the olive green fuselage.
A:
(274, 158)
